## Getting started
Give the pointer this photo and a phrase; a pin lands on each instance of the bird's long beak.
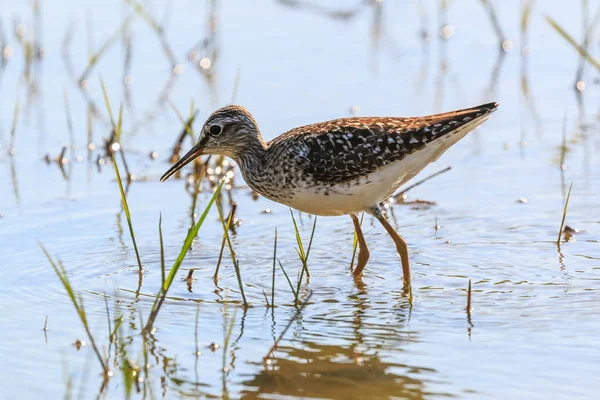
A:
(194, 153)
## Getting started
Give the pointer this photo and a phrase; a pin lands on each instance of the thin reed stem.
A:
(273, 276)
(564, 216)
(229, 219)
(422, 181)
(127, 213)
(162, 251)
(64, 278)
(236, 264)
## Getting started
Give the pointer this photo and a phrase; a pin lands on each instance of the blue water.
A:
(532, 332)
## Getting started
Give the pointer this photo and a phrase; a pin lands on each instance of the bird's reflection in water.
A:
(336, 372)
(350, 355)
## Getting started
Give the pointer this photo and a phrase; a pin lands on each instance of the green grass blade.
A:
(525, 13)
(226, 232)
(94, 58)
(312, 234)
(581, 50)
(298, 238)
(127, 213)
(239, 279)
(118, 322)
(145, 15)
(299, 283)
(187, 124)
(236, 264)
(108, 107)
(301, 253)
(564, 216)
(223, 241)
(64, 279)
(162, 251)
(119, 124)
(189, 239)
(288, 279)
(355, 244)
(192, 233)
(117, 139)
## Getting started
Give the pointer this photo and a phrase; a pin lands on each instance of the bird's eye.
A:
(215, 130)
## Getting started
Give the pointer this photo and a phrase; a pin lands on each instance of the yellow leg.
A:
(401, 247)
(363, 250)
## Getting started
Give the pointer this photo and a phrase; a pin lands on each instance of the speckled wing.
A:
(345, 149)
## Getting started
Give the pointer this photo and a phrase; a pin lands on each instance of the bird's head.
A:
(230, 131)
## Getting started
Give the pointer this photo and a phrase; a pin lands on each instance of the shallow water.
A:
(533, 330)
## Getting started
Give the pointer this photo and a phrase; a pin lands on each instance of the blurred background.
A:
(493, 218)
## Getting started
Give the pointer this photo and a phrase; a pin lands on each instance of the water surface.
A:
(533, 329)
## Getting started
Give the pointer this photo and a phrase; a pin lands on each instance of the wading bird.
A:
(338, 167)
